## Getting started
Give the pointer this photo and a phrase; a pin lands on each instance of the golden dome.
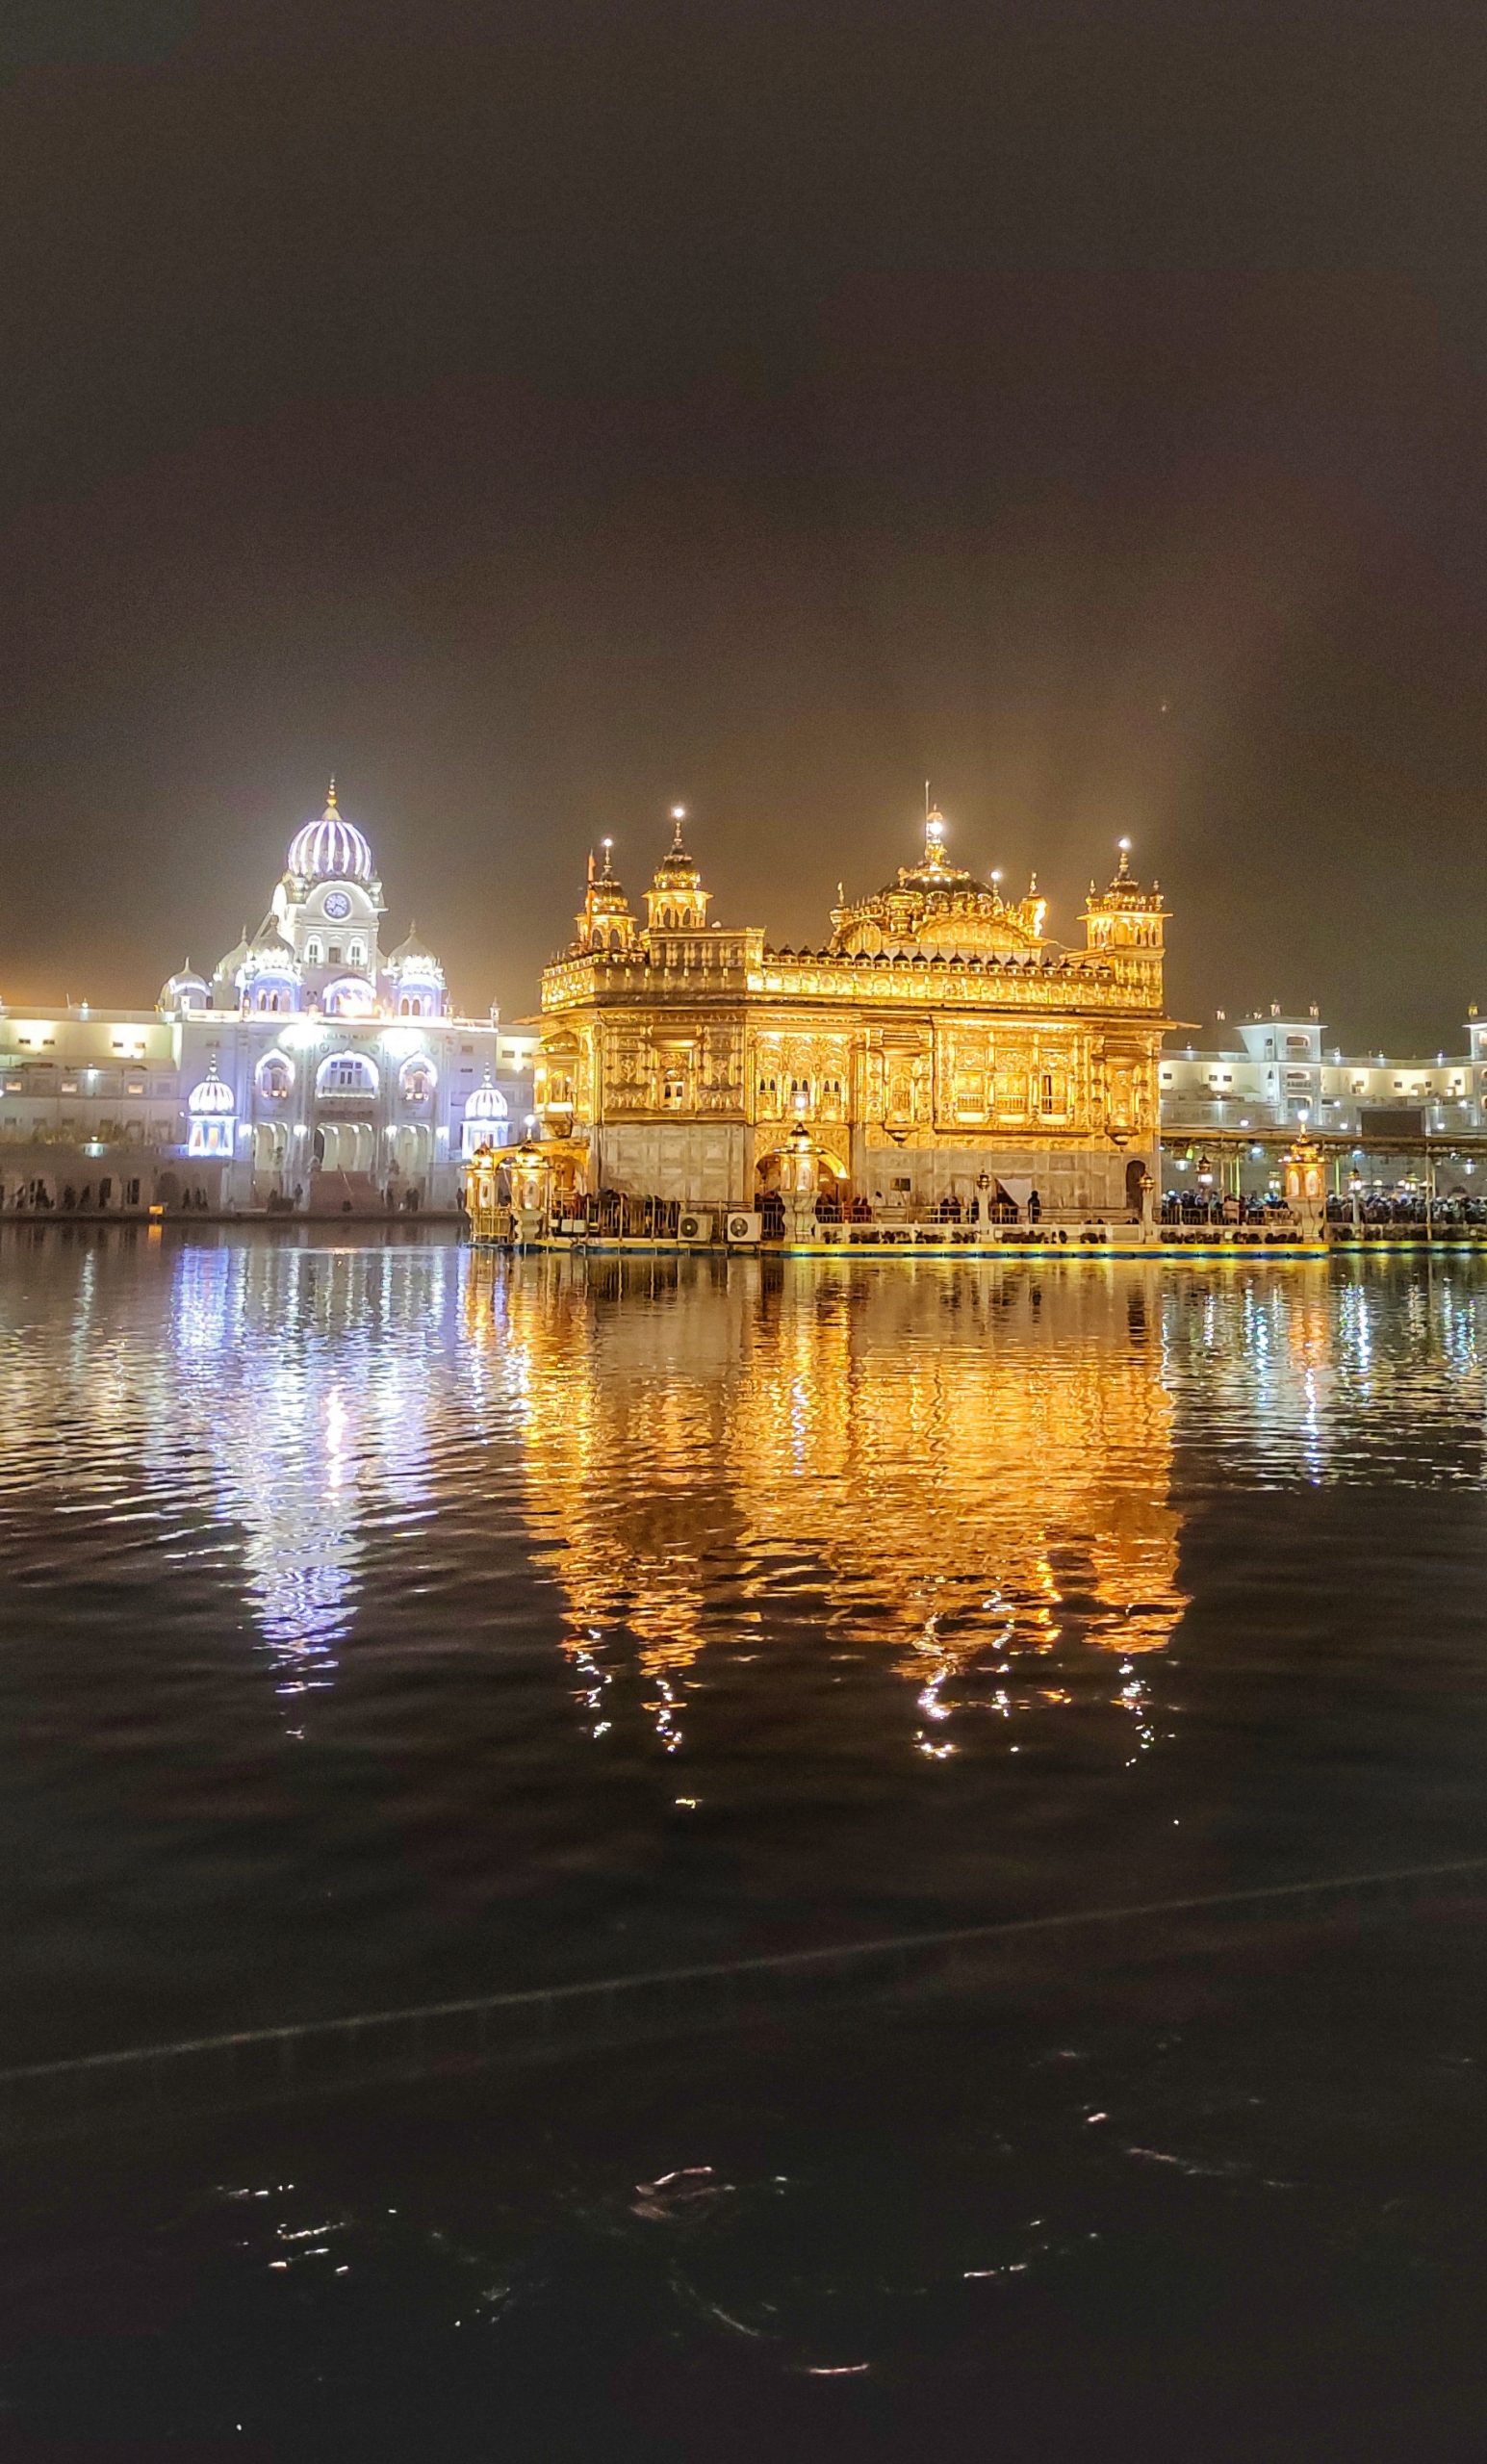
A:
(934, 909)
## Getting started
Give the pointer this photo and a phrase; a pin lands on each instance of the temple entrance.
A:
(833, 1193)
(1135, 1181)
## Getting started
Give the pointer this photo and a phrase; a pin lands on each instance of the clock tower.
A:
(329, 906)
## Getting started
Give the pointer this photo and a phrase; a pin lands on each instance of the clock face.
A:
(337, 904)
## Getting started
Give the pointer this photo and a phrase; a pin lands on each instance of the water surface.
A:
(382, 1622)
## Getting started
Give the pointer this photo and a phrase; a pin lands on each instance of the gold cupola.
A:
(1127, 915)
(675, 899)
(605, 921)
(936, 909)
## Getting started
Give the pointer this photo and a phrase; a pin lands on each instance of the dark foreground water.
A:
(381, 1624)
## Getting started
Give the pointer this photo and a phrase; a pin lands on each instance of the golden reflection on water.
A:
(934, 1466)
(936, 1470)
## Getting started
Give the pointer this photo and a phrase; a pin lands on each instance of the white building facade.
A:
(1279, 1077)
(312, 1071)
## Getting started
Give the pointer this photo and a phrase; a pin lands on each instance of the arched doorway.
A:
(832, 1183)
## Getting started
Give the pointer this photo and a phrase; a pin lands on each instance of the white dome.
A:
(414, 956)
(212, 1095)
(187, 991)
(330, 849)
(486, 1103)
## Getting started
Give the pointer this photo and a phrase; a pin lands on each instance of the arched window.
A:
(315, 950)
(355, 955)
(352, 997)
(275, 1077)
(1045, 1092)
(674, 1089)
(345, 1073)
(419, 1078)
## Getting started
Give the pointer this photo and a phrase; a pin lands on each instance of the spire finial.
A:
(679, 817)
(1123, 873)
(330, 795)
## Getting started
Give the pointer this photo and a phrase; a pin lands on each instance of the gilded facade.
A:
(938, 1044)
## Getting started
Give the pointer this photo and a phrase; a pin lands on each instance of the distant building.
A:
(1278, 1077)
(940, 1045)
(309, 1069)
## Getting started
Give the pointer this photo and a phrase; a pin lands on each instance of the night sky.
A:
(540, 414)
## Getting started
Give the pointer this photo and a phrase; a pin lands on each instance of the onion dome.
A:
(414, 956)
(677, 869)
(1125, 890)
(269, 947)
(187, 991)
(330, 849)
(485, 1102)
(936, 908)
(229, 966)
(210, 1097)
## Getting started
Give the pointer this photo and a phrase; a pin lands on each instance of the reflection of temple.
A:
(939, 1044)
(281, 1373)
(939, 1472)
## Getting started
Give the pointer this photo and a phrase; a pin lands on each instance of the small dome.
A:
(414, 955)
(235, 956)
(486, 1103)
(187, 991)
(330, 849)
(676, 869)
(269, 947)
(210, 1096)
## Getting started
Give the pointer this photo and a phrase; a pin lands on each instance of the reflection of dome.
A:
(486, 1103)
(187, 991)
(330, 849)
(212, 1095)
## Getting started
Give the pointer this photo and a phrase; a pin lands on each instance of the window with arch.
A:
(673, 1088)
(355, 955)
(418, 1079)
(345, 1073)
(275, 1077)
(411, 1006)
(352, 998)
(315, 950)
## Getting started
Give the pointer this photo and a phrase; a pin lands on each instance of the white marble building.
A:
(310, 1070)
(1274, 1076)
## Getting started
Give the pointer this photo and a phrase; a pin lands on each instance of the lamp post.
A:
(1206, 1185)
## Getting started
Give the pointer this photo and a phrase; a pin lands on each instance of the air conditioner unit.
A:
(744, 1228)
(695, 1228)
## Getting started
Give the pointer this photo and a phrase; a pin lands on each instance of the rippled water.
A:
(382, 1622)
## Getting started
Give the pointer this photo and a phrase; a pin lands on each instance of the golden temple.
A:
(940, 1045)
